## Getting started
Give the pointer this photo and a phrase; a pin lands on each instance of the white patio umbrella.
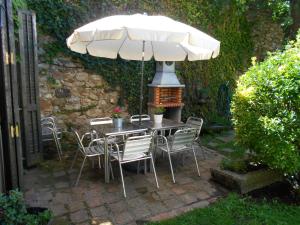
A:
(141, 37)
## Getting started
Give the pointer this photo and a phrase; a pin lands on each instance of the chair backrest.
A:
(101, 121)
(79, 141)
(195, 122)
(183, 138)
(136, 146)
(136, 118)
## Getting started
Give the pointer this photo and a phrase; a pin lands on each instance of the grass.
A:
(236, 210)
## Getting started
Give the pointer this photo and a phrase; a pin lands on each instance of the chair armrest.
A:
(96, 140)
(84, 135)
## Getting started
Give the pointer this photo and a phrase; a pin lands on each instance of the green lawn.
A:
(235, 210)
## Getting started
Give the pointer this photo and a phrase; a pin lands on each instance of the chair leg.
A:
(111, 171)
(145, 166)
(79, 175)
(171, 167)
(138, 167)
(196, 161)
(74, 160)
(154, 171)
(122, 178)
(57, 146)
(99, 161)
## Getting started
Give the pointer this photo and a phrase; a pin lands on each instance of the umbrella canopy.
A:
(141, 37)
(164, 39)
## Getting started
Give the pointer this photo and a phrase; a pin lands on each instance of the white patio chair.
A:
(101, 121)
(196, 122)
(50, 132)
(136, 148)
(181, 141)
(94, 149)
(136, 118)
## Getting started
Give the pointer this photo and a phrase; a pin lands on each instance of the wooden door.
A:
(9, 102)
(29, 88)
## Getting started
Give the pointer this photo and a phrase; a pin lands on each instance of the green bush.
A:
(265, 109)
(13, 211)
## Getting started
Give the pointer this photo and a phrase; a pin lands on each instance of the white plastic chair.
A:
(136, 148)
(136, 118)
(181, 141)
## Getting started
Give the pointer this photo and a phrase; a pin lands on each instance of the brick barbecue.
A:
(166, 91)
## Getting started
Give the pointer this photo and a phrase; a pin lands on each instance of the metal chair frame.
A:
(181, 141)
(94, 149)
(196, 122)
(136, 148)
(48, 124)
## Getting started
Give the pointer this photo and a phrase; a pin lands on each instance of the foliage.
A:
(280, 9)
(240, 211)
(13, 211)
(159, 110)
(224, 20)
(266, 109)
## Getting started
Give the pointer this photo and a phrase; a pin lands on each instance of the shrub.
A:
(13, 211)
(265, 109)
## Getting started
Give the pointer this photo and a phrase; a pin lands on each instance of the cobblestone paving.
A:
(94, 202)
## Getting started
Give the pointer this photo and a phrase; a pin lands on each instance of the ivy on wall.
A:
(224, 20)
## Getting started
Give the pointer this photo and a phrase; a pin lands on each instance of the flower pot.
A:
(158, 118)
(118, 122)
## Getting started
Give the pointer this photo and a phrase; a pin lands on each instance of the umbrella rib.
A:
(123, 41)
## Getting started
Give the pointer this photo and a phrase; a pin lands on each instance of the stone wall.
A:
(74, 95)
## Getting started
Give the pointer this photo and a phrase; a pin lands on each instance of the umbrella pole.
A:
(142, 83)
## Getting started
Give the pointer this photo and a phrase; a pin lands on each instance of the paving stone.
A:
(173, 203)
(123, 218)
(99, 211)
(165, 194)
(61, 197)
(140, 212)
(183, 179)
(79, 216)
(203, 195)
(75, 206)
(58, 209)
(93, 202)
(178, 190)
(59, 185)
(118, 207)
(189, 198)
(59, 174)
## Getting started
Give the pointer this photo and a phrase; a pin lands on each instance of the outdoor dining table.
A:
(166, 124)
(108, 130)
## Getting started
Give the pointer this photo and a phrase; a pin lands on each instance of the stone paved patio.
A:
(94, 202)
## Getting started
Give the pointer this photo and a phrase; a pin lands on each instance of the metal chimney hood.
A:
(165, 76)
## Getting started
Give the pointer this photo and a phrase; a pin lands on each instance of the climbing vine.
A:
(224, 20)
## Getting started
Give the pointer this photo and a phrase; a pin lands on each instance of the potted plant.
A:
(158, 114)
(14, 211)
(117, 118)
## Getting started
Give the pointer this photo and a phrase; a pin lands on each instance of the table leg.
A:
(106, 161)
